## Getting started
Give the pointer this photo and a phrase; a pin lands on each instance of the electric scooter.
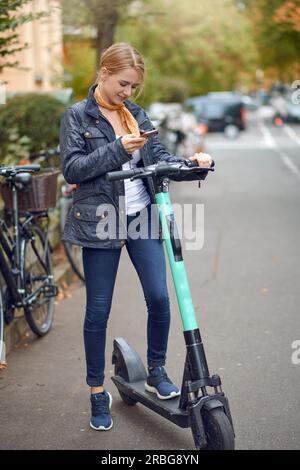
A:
(202, 405)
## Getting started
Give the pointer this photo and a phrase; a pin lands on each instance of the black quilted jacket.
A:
(89, 149)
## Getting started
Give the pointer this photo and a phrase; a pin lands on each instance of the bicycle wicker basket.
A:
(39, 195)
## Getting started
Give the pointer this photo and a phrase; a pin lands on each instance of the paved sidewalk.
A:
(44, 399)
(245, 287)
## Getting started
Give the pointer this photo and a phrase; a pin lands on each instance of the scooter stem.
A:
(179, 275)
(196, 367)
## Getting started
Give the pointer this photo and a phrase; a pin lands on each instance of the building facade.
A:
(41, 63)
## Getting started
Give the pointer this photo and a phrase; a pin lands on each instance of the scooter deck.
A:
(169, 409)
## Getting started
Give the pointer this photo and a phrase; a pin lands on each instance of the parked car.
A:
(222, 111)
(251, 104)
(293, 110)
(285, 109)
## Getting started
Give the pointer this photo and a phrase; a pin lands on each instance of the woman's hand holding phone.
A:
(131, 142)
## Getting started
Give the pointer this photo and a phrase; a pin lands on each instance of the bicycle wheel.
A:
(2, 343)
(73, 252)
(38, 281)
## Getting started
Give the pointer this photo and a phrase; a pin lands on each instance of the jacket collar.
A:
(92, 109)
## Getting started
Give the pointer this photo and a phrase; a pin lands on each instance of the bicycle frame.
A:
(12, 274)
(6, 272)
(25, 257)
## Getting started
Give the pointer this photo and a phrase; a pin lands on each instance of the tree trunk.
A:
(106, 34)
(100, 31)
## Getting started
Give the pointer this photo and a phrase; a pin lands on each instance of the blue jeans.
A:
(100, 270)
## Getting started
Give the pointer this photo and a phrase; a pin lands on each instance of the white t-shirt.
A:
(136, 195)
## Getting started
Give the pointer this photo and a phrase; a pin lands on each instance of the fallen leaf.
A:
(264, 290)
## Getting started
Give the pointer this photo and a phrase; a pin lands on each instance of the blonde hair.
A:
(121, 56)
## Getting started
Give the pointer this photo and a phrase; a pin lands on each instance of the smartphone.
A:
(148, 133)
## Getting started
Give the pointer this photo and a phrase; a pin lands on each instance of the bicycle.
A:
(25, 257)
(73, 252)
(2, 343)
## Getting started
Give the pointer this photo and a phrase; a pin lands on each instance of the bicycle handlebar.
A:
(7, 171)
(181, 168)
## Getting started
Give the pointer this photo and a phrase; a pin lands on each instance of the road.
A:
(245, 282)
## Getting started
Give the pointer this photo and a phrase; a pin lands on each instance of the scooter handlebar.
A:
(119, 175)
(182, 167)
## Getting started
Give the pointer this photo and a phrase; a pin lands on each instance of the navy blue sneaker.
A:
(158, 382)
(101, 419)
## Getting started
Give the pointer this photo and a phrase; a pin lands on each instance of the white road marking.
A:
(288, 162)
(292, 134)
(270, 142)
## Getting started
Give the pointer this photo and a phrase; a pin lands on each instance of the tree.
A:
(196, 46)
(287, 15)
(103, 15)
(190, 47)
(276, 30)
(11, 17)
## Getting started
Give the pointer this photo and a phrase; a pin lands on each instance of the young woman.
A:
(100, 134)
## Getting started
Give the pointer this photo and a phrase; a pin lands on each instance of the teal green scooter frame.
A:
(202, 405)
(173, 246)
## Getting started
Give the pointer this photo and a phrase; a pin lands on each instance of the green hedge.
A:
(28, 123)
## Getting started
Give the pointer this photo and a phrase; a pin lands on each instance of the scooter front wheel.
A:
(218, 430)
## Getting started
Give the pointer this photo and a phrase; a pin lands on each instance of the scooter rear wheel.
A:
(126, 399)
(218, 430)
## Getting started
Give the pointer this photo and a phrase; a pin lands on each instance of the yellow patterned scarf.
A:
(128, 121)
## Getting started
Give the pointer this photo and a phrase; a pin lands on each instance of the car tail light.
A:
(243, 114)
(278, 121)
